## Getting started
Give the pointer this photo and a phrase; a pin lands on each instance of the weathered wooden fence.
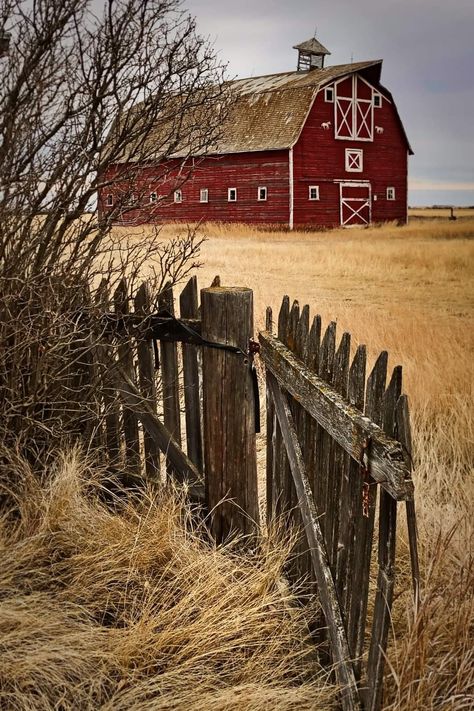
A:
(338, 446)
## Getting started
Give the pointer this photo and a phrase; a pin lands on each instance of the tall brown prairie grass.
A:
(132, 608)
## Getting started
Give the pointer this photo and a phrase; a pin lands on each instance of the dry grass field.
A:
(408, 290)
(132, 609)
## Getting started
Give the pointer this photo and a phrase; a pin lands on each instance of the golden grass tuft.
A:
(132, 608)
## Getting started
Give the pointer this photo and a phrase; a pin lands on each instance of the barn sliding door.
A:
(355, 204)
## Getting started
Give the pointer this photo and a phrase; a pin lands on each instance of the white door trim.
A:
(365, 202)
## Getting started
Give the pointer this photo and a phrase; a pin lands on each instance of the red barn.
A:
(319, 147)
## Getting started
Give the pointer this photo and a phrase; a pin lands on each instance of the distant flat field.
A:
(433, 213)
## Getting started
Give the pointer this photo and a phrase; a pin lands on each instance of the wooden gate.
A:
(355, 204)
(334, 440)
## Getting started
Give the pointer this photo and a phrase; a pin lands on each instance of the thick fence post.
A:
(229, 412)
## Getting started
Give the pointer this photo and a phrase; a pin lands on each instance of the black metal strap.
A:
(164, 324)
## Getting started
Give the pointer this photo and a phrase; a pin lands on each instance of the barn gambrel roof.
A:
(269, 112)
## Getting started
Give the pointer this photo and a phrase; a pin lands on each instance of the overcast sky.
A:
(428, 52)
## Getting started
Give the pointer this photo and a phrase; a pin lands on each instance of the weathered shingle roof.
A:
(269, 112)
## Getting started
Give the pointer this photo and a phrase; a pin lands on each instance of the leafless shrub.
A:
(80, 88)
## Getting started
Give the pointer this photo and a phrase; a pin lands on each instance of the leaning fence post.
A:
(229, 411)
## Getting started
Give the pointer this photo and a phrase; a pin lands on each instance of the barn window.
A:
(178, 196)
(204, 195)
(390, 193)
(377, 100)
(153, 197)
(110, 200)
(329, 94)
(354, 160)
(353, 110)
(232, 195)
(313, 193)
(262, 194)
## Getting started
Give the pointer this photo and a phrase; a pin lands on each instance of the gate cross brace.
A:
(327, 590)
(132, 397)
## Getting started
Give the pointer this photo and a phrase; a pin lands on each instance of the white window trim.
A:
(377, 95)
(329, 91)
(110, 200)
(204, 195)
(391, 193)
(229, 193)
(178, 196)
(348, 167)
(153, 198)
(313, 187)
(262, 199)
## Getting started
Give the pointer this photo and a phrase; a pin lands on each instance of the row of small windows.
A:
(329, 97)
(313, 194)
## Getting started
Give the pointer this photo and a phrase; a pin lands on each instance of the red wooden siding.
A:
(319, 159)
(246, 172)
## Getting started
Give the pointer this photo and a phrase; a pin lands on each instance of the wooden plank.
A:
(365, 532)
(189, 306)
(340, 419)
(324, 440)
(386, 563)
(130, 424)
(312, 427)
(106, 357)
(339, 458)
(351, 503)
(327, 591)
(281, 494)
(229, 412)
(134, 400)
(270, 414)
(146, 377)
(403, 430)
(303, 567)
(169, 381)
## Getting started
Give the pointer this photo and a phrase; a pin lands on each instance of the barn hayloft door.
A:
(355, 204)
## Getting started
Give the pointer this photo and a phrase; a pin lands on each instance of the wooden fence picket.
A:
(170, 381)
(189, 308)
(146, 374)
(132, 471)
(340, 435)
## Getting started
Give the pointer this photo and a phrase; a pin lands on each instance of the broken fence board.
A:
(403, 430)
(327, 591)
(181, 463)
